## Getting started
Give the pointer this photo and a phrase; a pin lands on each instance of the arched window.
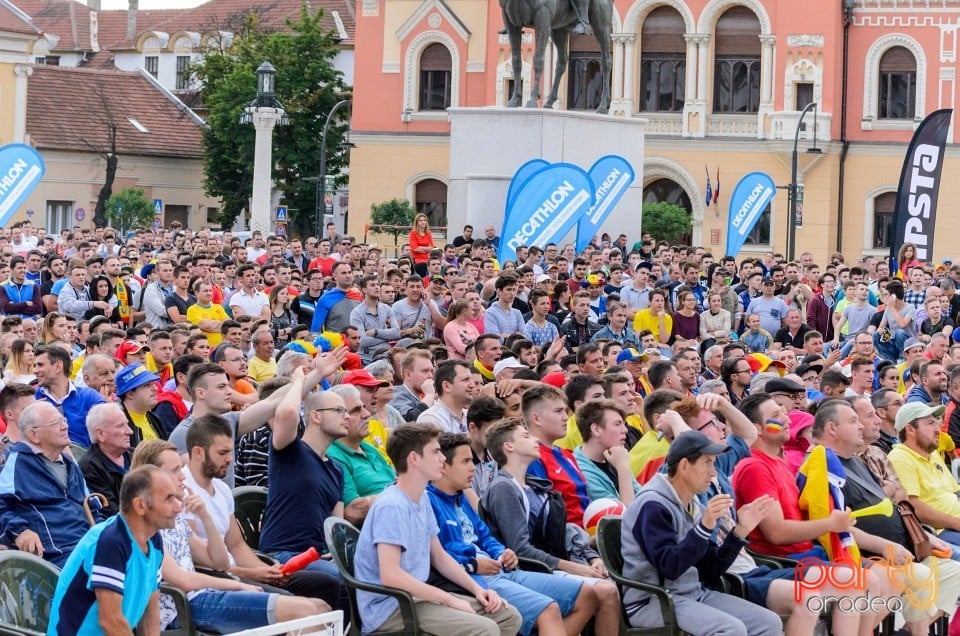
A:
(884, 206)
(736, 78)
(662, 61)
(898, 84)
(431, 199)
(435, 77)
(584, 74)
(669, 191)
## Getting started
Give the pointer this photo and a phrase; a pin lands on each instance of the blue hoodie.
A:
(451, 533)
(32, 498)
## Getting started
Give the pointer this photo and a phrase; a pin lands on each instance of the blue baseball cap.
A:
(630, 355)
(134, 376)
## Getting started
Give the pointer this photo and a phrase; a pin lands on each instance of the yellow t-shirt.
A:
(196, 313)
(377, 437)
(146, 430)
(261, 371)
(926, 477)
(645, 320)
(76, 366)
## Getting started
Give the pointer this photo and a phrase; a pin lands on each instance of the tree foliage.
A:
(396, 215)
(308, 86)
(128, 210)
(665, 221)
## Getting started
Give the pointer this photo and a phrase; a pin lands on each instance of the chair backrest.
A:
(27, 585)
(250, 502)
(341, 537)
(78, 450)
(608, 544)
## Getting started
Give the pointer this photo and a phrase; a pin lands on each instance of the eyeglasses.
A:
(712, 422)
(234, 359)
(341, 411)
(60, 422)
(743, 371)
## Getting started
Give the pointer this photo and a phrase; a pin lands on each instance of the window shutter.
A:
(435, 57)
(898, 60)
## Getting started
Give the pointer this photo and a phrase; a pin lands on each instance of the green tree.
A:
(392, 217)
(308, 86)
(129, 209)
(665, 221)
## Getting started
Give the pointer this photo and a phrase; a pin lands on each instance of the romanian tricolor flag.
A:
(821, 479)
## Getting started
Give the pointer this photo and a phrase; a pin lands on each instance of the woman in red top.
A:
(421, 243)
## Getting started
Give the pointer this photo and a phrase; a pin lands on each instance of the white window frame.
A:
(871, 84)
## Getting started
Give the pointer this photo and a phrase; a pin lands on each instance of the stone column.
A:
(630, 72)
(264, 120)
(766, 69)
(22, 73)
(616, 86)
(692, 62)
(703, 64)
(766, 83)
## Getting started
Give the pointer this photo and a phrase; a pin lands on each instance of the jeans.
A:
(327, 566)
(893, 348)
(228, 612)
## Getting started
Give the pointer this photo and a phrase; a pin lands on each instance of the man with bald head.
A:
(305, 486)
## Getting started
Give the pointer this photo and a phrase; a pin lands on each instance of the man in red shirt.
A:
(785, 532)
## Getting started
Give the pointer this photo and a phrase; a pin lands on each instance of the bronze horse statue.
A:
(553, 20)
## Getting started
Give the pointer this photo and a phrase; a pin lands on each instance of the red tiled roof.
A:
(69, 20)
(12, 22)
(223, 15)
(113, 24)
(80, 97)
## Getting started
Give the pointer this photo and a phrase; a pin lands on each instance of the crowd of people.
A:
(465, 413)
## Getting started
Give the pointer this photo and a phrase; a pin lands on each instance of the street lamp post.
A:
(793, 190)
(264, 113)
(322, 179)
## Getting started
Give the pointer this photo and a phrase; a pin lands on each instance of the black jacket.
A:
(104, 476)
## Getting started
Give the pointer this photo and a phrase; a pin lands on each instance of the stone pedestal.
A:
(488, 145)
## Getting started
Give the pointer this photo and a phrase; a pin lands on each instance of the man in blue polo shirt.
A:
(52, 367)
(110, 582)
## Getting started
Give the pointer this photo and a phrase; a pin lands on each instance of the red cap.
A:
(362, 377)
(556, 379)
(127, 347)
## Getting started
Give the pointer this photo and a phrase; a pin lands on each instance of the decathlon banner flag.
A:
(611, 175)
(915, 213)
(21, 168)
(523, 173)
(546, 206)
(748, 201)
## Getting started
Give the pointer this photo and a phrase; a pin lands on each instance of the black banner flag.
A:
(916, 210)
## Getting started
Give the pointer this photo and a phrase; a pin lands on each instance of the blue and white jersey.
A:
(107, 558)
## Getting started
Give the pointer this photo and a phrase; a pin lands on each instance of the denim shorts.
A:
(757, 582)
(227, 612)
(532, 592)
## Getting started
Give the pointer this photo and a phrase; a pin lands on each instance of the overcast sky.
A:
(150, 4)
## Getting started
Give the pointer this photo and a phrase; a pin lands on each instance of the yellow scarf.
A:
(484, 371)
(123, 307)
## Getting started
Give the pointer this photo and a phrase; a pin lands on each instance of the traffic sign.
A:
(157, 207)
(281, 214)
(281, 229)
(79, 214)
